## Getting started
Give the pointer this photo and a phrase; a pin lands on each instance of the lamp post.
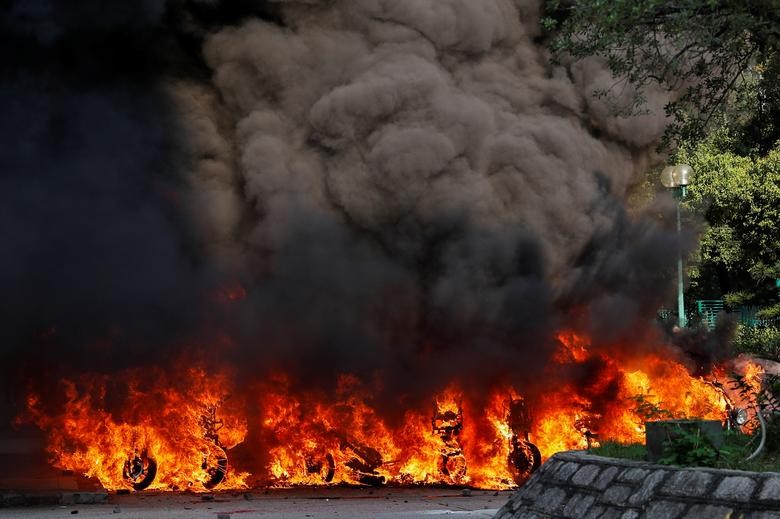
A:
(677, 179)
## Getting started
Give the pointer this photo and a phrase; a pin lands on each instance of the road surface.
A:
(331, 503)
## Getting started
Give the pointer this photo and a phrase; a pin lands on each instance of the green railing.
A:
(708, 310)
(748, 315)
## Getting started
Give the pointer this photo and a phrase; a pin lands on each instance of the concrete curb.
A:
(578, 485)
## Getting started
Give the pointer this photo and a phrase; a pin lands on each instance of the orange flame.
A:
(185, 423)
(155, 417)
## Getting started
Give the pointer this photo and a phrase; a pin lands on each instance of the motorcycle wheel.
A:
(325, 466)
(454, 467)
(139, 471)
(523, 460)
(215, 464)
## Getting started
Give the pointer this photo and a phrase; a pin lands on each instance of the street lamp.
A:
(677, 179)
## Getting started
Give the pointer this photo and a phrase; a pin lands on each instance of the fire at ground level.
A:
(149, 431)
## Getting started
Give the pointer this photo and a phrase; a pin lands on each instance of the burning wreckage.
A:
(362, 462)
(185, 442)
(404, 195)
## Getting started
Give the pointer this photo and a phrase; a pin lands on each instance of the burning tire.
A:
(454, 467)
(215, 464)
(325, 467)
(139, 471)
(524, 458)
(363, 463)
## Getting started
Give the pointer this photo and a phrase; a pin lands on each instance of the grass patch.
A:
(736, 447)
(613, 449)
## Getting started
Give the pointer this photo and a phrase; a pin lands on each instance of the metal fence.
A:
(708, 311)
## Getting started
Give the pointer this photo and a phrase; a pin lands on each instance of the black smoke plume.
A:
(403, 189)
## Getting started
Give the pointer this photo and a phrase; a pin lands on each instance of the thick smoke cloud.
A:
(418, 165)
(400, 187)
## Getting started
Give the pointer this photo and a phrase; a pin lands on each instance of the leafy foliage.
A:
(683, 446)
(761, 342)
(688, 447)
(734, 451)
(770, 313)
(739, 197)
(719, 56)
(648, 410)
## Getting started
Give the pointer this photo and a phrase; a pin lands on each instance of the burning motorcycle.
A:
(215, 461)
(448, 424)
(140, 468)
(762, 407)
(735, 418)
(323, 466)
(524, 456)
(362, 463)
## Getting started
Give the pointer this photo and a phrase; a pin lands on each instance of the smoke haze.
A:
(393, 188)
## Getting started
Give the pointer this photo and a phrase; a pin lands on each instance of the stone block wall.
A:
(578, 485)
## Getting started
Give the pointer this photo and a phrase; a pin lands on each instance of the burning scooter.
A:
(140, 468)
(448, 424)
(361, 464)
(524, 456)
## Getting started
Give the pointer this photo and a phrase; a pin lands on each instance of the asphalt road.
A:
(333, 503)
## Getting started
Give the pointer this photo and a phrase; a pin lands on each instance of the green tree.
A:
(719, 58)
(739, 197)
